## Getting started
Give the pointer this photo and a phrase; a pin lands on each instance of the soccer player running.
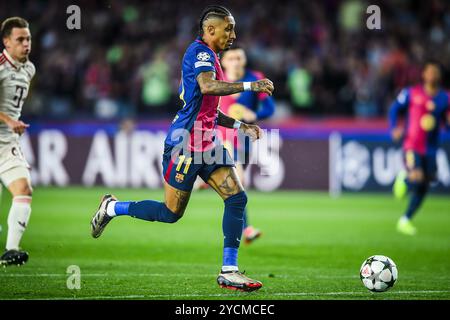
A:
(249, 107)
(190, 149)
(426, 107)
(16, 72)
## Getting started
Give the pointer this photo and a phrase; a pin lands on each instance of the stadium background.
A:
(121, 71)
(112, 87)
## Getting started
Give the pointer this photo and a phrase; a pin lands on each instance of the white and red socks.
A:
(19, 215)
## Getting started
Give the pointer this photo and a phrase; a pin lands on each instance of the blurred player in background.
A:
(426, 107)
(16, 72)
(245, 106)
(191, 137)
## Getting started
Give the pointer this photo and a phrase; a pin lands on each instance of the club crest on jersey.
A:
(203, 56)
(13, 76)
(179, 177)
(427, 122)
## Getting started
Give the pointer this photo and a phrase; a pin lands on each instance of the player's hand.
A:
(264, 85)
(17, 126)
(252, 130)
(397, 134)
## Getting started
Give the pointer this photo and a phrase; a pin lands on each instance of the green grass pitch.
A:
(312, 248)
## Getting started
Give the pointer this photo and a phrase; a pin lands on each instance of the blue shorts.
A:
(427, 163)
(181, 170)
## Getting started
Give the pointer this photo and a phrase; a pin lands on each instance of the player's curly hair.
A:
(11, 23)
(210, 12)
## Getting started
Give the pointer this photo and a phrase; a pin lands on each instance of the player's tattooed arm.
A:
(16, 126)
(210, 86)
(225, 121)
(264, 86)
(252, 130)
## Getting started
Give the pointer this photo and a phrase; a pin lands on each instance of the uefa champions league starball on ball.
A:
(378, 273)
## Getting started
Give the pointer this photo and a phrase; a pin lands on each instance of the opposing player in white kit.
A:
(16, 72)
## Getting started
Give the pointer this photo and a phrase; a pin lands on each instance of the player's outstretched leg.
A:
(169, 211)
(101, 218)
(418, 187)
(226, 183)
(18, 217)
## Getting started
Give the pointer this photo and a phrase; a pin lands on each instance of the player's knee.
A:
(237, 200)
(173, 217)
(23, 190)
(176, 210)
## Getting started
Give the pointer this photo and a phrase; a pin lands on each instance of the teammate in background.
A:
(191, 150)
(426, 107)
(16, 72)
(248, 107)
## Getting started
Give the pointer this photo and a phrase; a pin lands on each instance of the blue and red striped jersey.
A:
(198, 116)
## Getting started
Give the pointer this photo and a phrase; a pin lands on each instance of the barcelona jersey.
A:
(424, 117)
(195, 123)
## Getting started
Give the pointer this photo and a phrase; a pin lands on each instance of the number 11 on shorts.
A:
(181, 160)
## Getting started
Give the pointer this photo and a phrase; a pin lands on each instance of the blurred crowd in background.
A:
(125, 60)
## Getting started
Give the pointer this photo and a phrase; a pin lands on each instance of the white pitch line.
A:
(49, 275)
(286, 294)
(190, 275)
(88, 298)
(118, 275)
(295, 294)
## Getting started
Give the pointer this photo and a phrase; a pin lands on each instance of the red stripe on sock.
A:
(22, 199)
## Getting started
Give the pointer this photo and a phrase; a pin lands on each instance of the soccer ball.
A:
(378, 273)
